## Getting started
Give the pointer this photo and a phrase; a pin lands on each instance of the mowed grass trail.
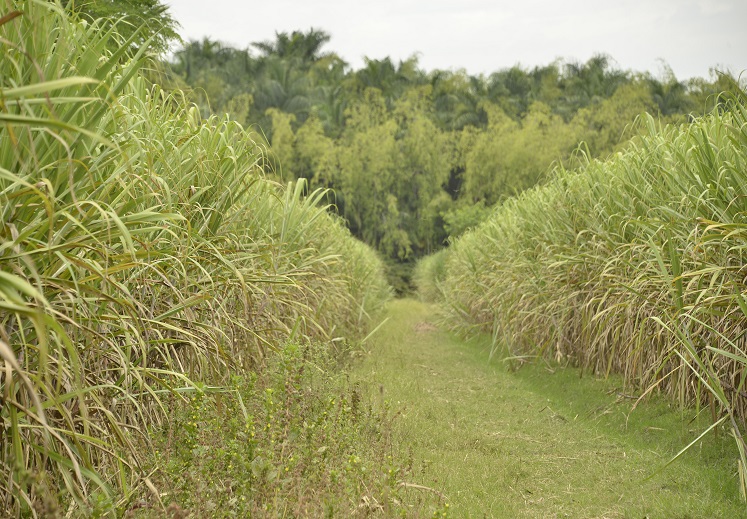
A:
(539, 441)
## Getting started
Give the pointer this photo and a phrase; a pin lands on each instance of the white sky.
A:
(483, 36)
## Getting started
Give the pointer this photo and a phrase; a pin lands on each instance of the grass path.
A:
(538, 441)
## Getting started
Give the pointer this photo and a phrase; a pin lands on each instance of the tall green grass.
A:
(635, 265)
(141, 255)
(428, 274)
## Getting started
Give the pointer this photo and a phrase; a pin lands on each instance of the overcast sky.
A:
(483, 36)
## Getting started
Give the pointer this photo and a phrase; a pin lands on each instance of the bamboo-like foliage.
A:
(140, 252)
(635, 265)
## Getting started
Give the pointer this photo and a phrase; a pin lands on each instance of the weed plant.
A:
(296, 440)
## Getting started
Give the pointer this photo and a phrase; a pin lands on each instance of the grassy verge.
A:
(539, 441)
(299, 439)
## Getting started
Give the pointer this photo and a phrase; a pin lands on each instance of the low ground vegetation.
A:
(518, 439)
(297, 439)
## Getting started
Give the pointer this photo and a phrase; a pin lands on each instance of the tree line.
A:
(414, 156)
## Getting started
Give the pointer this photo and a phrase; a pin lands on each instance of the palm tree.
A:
(330, 103)
(457, 98)
(670, 94)
(511, 90)
(142, 19)
(285, 87)
(591, 82)
(391, 80)
(195, 56)
(304, 47)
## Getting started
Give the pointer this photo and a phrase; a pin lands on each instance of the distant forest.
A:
(415, 157)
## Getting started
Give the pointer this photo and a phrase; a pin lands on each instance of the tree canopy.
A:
(415, 157)
(141, 20)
